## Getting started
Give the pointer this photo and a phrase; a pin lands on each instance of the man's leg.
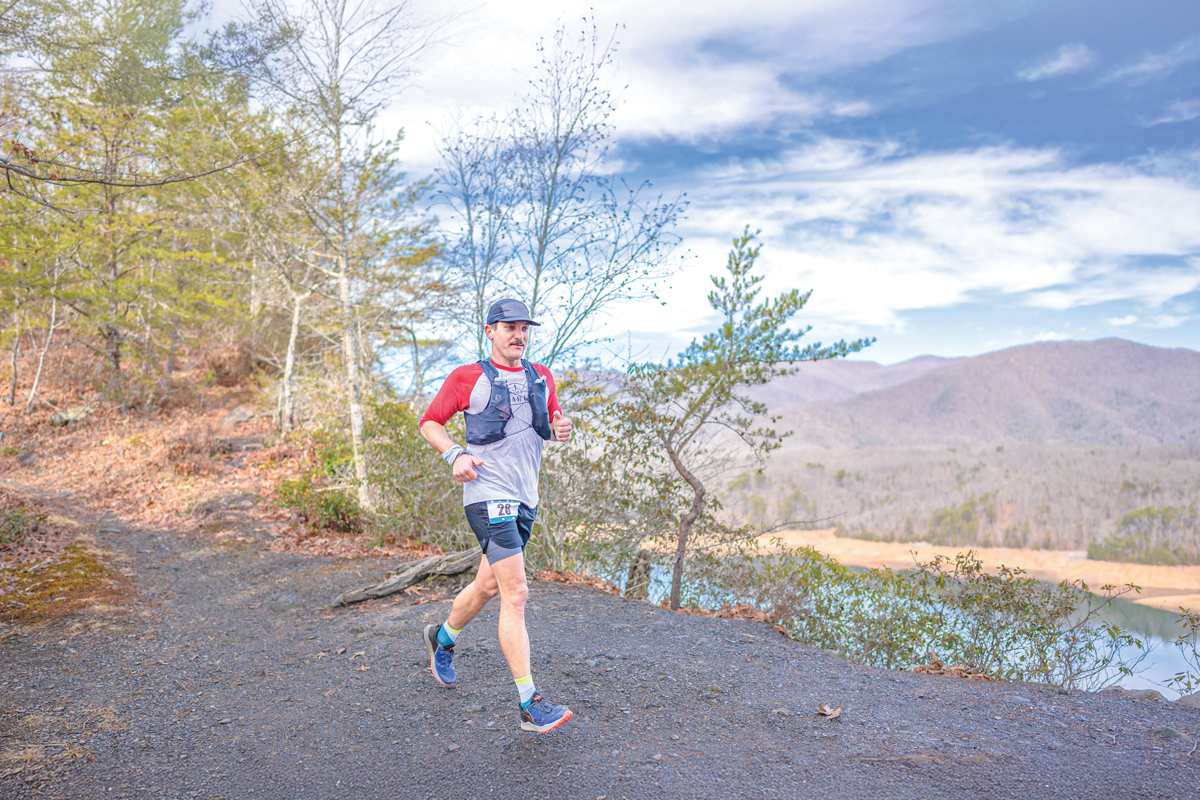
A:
(440, 639)
(537, 713)
(472, 599)
(509, 574)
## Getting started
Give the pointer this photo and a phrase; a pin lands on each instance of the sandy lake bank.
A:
(1161, 587)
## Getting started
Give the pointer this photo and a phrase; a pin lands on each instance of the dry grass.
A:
(39, 741)
(74, 579)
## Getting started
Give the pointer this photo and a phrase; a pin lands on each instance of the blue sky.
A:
(949, 177)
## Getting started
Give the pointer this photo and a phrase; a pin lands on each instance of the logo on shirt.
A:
(518, 391)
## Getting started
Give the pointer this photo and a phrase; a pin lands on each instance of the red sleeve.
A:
(454, 396)
(551, 390)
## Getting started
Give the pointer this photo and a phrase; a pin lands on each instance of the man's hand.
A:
(464, 468)
(560, 427)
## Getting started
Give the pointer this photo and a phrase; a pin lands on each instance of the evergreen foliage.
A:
(1168, 535)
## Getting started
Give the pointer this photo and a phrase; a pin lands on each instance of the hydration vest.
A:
(487, 426)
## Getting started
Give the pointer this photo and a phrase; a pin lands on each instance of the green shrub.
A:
(18, 526)
(1006, 625)
(957, 526)
(322, 508)
(418, 498)
(1187, 644)
(1153, 535)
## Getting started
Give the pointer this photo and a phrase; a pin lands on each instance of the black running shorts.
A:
(503, 530)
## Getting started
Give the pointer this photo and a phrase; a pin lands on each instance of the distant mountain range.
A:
(1107, 392)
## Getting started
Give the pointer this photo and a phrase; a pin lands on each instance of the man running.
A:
(511, 408)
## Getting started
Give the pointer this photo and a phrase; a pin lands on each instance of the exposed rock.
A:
(27, 457)
(1190, 700)
(1135, 694)
(69, 415)
(236, 417)
(234, 501)
(1171, 733)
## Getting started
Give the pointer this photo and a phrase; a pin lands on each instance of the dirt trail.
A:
(228, 676)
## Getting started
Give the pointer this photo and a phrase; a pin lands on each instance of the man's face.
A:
(508, 339)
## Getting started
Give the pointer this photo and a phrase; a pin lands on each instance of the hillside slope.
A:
(842, 380)
(1107, 392)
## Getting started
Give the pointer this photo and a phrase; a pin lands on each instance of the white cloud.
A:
(1167, 321)
(1050, 336)
(878, 232)
(1070, 58)
(1154, 64)
(1179, 111)
(689, 69)
(1128, 319)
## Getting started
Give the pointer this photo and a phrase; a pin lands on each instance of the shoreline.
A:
(1162, 587)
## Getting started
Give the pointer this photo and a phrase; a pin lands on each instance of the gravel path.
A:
(228, 676)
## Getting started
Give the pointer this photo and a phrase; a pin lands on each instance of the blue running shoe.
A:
(441, 659)
(542, 716)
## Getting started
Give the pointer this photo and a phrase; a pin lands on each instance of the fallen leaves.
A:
(825, 712)
(567, 576)
(936, 667)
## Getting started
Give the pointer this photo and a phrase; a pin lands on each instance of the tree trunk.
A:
(418, 382)
(37, 376)
(173, 346)
(353, 382)
(287, 410)
(112, 345)
(447, 564)
(16, 353)
(637, 585)
(685, 527)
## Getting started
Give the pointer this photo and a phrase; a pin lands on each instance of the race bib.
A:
(502, 510)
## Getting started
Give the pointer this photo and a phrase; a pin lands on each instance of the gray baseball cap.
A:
(509, 310)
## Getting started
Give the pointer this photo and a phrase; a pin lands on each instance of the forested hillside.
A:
(1065, 445)
(1107, 393)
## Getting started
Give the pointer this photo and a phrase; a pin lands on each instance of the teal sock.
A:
(447, 636)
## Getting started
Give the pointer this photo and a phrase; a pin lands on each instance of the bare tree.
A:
(474, 181)
(52, 323)
(541, 213)
(340, 68)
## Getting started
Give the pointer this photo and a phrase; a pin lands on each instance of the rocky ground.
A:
(226, 674)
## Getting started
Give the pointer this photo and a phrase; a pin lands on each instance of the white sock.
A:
(526, 688)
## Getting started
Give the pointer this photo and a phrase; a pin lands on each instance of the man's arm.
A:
(453, 397)
(464, 466)
(560, 426)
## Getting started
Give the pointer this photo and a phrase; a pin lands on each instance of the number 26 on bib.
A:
(502, 510)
